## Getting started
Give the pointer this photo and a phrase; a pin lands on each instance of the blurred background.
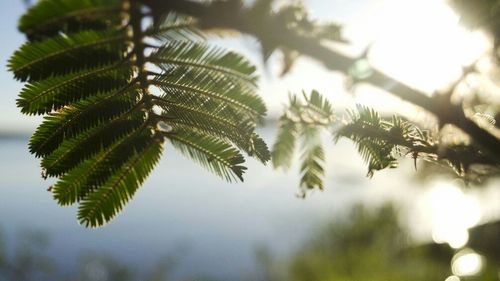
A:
(401, 225)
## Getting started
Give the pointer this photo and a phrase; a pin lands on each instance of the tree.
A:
(371, 244)
(114, 92)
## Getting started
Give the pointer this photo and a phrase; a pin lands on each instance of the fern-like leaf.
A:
(221, 89)
(55, 92)
(284, 146)
(305, 119)
(201, 56)
(175, 27)
(48, 18)
(77, 118)
(103, 204)
(319, 105)
(312, 158)
(216, 120)
(376, 152)
(215, 155)
(312, 168)
(74, 150)
(90, 69)
(77, 183)
(63, 54)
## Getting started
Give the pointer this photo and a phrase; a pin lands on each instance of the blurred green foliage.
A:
(367, 245)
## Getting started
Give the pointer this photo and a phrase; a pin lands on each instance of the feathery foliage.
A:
(48, 18)
(379, 141)
(377, 152)
(218, 156)
(105, 203)
(89, 70)
(313, 158)
(304, 119)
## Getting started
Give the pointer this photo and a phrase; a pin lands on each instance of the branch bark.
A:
(269, 29)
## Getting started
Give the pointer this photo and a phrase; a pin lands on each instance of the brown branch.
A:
(271, 31)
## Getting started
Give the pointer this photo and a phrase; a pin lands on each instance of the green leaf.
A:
(195, 55)
(77, 118)
(44, 96)
(258, 148)
(215, 155)
(95, 83)
(188, 83)
(312, 159)
(175, 27)
(319, 105)
(368, 130)
(216, 120)
(304, 119)
(48, 17)
(63, 54)
(92, 173)
(311, 168)
(74, 150)
(104, 203)
(284, 146)
(378, 154)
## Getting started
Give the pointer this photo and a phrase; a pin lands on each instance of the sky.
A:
(426, 54)
(10, 117)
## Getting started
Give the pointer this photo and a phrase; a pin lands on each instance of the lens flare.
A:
(422, 43)
(467, 263)
(452, 214)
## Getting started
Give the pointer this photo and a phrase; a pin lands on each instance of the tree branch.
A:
(271, 30)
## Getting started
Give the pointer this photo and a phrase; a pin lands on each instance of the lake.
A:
(183, 212)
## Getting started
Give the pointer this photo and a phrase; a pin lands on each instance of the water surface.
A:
(183, 211)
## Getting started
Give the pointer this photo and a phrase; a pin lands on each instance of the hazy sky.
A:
(10, 117)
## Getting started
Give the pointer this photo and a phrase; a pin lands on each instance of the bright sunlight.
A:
(452, 214)
(420, 43)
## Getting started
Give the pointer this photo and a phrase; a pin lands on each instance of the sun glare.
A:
(422, 43)
(452, 213)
